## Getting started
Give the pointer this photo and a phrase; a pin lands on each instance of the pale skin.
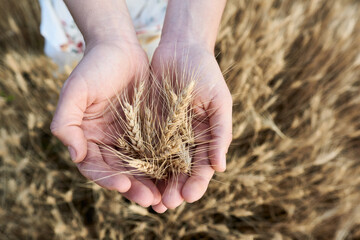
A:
(112, 60)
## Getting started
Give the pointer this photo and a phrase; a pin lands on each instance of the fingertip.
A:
(218, 162)
(157, 198)
(81, 146)
(78, 154)
(72, 152)
(72, 137)
(140, 194)
(152, 187)
(221, 167)
(145, 204)
(123, 185)
(120, 183)
(218, 159)
(172, 202)
(172, 197)
(221, 134)
(159, 208)
(194, 189)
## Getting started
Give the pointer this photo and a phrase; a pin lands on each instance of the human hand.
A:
(113, 59)
(212, 105)
(81, 121)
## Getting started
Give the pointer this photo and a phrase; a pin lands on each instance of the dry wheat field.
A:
(293, 68)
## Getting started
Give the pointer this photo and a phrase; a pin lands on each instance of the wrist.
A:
(190, 22)
(103, 21)
(181, 41)
(110, 35)
(181, 48)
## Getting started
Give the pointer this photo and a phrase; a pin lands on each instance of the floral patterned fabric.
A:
(65, 44)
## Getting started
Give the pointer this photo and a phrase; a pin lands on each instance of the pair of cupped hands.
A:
(106, 69)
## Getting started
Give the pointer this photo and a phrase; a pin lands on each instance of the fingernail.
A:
(72, 153)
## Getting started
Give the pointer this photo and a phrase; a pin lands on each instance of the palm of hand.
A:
(212, 104)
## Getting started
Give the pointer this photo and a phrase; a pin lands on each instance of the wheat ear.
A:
(175, 119)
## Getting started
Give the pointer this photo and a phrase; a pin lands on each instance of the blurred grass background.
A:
(294, 164)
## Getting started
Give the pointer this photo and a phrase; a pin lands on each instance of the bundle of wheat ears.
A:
(153, 133)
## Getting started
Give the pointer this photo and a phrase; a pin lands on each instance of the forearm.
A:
(102, 20)
(189, 21)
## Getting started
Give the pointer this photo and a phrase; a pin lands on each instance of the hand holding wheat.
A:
(112, 61)
(80, 122)
(190, 29)
(212, 124)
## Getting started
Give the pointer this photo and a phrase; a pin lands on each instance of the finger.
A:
(220, 119)
(159, 208)
(172, 197)
(201, 174)
(68, 118)
(139, 193)
(95, 169)
(152, 187)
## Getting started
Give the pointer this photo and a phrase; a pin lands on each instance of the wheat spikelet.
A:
(149, 168)
(182, 165)
(133, 128)
(175, 119)
(125, 146)
(149, 126)
(169, 92)
(133, 125)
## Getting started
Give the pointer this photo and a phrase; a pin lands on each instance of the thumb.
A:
(220, 113)
(68, 117)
